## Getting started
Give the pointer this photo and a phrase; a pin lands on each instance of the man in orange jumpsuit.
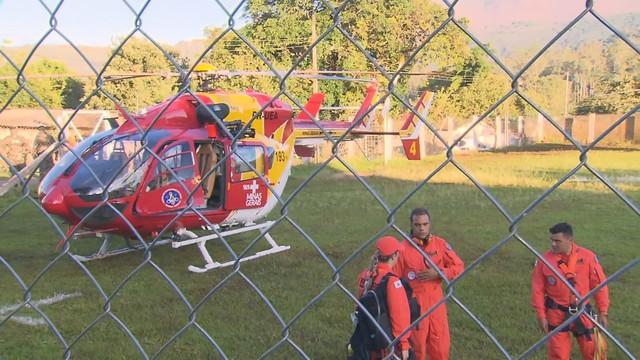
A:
(554, 302)
(432, 334)
(387, 255)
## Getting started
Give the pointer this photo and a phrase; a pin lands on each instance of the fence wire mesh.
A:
(282, 339)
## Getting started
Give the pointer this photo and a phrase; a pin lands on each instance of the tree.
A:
(137, 56)
(72, 93)
(389, 31)
(45, 78)
(603, 77)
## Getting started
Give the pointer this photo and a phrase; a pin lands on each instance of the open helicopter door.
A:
(247, 199)
(211, 171)
(163, 192)
(246, 189)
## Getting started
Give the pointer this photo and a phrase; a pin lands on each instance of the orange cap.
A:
(387, 245)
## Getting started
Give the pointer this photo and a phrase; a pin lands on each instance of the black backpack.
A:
(367, 337)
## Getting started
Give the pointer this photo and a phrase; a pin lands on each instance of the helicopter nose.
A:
(53, 203)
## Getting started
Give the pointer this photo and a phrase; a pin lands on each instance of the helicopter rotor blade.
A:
(237, 73)
(295, 74)
(118, 77)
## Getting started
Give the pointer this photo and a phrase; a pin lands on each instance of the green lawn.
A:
(339, 214)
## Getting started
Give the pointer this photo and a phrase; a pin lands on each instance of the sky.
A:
(101, 22)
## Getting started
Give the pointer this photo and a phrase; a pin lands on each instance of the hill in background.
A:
(97, 55)
(506, 40)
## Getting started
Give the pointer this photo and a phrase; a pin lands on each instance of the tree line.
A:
(595, 76)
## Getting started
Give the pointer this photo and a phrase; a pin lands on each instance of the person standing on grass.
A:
(431, 337)
(15, 149)
(41, 144)
(382, 262)
(554, 302)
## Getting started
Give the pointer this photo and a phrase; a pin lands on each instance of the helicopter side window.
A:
(271, 154)
(178, 158)
(242, 157)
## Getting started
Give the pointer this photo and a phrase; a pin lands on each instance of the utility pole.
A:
(387, 123)
(314, 67)
(566, 97)
(314, 53)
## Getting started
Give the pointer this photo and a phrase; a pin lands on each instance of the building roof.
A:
(34, 118)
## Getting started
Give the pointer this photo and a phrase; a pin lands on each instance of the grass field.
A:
(340, 215)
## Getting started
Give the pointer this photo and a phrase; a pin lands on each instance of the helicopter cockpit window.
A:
(242, 157)
(178, 158)
(120, 162)
(69, 158)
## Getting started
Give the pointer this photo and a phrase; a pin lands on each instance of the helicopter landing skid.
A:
(210, 264)
(104, 253)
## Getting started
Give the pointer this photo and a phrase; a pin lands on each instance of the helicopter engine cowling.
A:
(212, 113)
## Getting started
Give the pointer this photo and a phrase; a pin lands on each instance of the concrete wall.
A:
(585, 129)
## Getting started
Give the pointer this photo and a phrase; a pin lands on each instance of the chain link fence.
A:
(112, 281)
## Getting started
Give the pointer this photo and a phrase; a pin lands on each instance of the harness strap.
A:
(580, 328)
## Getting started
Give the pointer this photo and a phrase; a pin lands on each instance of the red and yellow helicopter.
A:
(211, 161)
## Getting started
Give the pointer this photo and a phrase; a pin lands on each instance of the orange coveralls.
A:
(397, 305)
(432, 334)
(545, 284)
